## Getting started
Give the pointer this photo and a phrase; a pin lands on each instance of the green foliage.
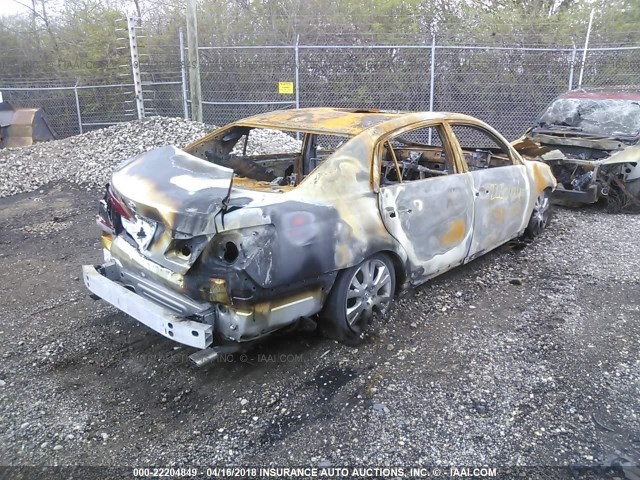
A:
(79, 40)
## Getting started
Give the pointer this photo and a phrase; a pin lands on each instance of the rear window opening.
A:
(268, 160)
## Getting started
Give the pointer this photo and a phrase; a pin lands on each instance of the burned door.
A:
(425, 204)
(500, 187)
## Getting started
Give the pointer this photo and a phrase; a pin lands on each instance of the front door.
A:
(500, 187)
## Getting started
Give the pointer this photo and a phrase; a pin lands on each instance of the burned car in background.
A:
(216, 247)
(591, 140)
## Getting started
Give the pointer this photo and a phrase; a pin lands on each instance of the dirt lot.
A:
(523, 357)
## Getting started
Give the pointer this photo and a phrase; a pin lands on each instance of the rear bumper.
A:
(159, 318)
(187, 321)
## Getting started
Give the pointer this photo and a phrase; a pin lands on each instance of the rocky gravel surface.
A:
(526, 356)
(87, 160)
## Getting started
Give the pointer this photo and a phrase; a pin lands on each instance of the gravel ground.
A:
(526, 356)
(522, 357)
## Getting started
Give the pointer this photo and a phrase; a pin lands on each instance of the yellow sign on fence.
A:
(285, 88)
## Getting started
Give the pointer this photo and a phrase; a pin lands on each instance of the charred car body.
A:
(372, 203)
(591, 140)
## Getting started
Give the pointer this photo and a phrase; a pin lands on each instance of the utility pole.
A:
(194, 64)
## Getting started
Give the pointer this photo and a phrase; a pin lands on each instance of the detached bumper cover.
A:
(157, 317)
(590, 195)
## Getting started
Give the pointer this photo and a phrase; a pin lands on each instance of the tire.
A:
(540, 216)
(359, 295)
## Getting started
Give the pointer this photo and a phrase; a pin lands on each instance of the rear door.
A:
(500, 184)
(426, 203)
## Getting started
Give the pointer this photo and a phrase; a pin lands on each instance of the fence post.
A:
(135, 66)
(573, 62)
(432, 76)
(586, 46)
(75, 91)
(194, 63)
(297, 72)
(183, 73)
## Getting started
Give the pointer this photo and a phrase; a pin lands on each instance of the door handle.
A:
(394, 211)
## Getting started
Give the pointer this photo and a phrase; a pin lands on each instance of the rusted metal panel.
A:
(24, 116)
(15, 142)
(326, 120)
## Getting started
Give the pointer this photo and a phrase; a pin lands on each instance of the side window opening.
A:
(316, 149)
(257, 156)
(269, 159)
(480, 149)
(415, 155)
(273, 152)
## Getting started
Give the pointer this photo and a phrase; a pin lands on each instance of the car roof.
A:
(335, 121)
(619, 92)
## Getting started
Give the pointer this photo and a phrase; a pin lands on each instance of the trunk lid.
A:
(169, 186)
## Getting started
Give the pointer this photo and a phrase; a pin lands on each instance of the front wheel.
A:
(360, 294)
(540, 217)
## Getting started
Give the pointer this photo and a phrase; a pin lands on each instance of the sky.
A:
(9, 7)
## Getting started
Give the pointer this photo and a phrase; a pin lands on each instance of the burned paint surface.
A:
(250, 256)
(174, 188)
(503, 200)
(433, 219)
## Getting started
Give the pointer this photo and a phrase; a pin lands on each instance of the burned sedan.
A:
(218, 245)
(591, 140)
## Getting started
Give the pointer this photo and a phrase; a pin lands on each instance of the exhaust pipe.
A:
(203, 357)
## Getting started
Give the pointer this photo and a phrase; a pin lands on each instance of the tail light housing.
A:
(118, 205)
(110, 210)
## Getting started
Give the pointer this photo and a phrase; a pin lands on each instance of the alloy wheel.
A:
(369, 293)
(540, 214)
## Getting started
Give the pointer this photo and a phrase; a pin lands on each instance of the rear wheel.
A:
(360, 294)
(540, 217)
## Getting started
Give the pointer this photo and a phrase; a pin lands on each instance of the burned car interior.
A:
(480, 149)
(415, 155)
(277, 171)
(421, 153)
(590, 138)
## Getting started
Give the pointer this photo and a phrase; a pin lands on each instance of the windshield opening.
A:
(607, 117)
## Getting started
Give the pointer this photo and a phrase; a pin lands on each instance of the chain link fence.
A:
(612, 66)
(506, 86)
(243, 81)
(74, 107)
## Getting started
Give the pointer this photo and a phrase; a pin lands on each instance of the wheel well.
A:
(398, 267)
